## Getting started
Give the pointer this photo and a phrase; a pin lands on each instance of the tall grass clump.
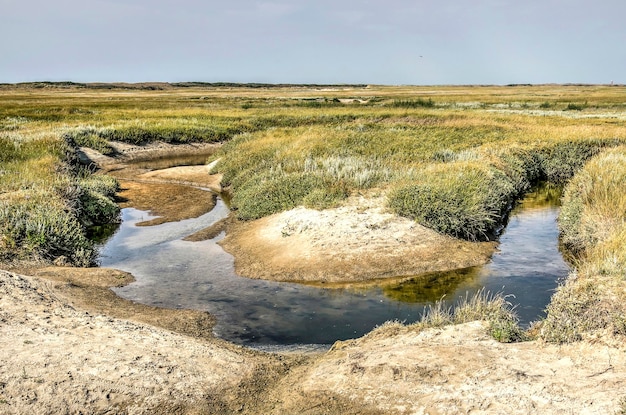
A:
(91, 137)
(45, 202)
(593, 224)
(483, 305)
(466, 200)
(413, 103)
(594, 203)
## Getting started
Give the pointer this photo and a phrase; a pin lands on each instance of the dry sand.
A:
(357, 242)
(58, 358)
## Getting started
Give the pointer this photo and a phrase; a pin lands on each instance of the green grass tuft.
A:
(492, 308)
(466, 200)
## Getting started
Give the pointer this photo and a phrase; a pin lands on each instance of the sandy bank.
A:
(58, 358)
(357, 242)
(461, 370)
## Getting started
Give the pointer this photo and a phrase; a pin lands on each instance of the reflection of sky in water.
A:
(199, 275)
(528, 263)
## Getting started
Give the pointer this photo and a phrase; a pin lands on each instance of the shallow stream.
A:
(174, 273)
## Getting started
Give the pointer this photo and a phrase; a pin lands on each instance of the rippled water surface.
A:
(174, 273)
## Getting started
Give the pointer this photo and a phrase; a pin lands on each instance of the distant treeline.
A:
(168, 85)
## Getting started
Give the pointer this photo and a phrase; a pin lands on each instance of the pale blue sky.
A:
(314, 41)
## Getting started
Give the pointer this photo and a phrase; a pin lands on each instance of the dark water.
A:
(199, 275)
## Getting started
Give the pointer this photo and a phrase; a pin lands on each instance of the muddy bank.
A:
(124, 153)
(171, 193)
(89, 289)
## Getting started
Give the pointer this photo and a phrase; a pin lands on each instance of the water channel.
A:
(174, 273)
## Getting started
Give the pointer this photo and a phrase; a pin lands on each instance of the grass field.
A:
(454, 159)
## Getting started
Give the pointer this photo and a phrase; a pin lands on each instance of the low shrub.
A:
(326, 197)
(413, 103)
(97, 209)
(560, 162)
(42, 230)
(466, 200)
(260, 197)
(575, 107)
(47, 202)
(105, 185)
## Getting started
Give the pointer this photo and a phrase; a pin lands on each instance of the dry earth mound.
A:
(356, 242)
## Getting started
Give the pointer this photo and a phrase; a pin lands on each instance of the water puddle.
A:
(174, 273)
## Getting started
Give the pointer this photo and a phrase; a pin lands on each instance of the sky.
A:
(391, 42)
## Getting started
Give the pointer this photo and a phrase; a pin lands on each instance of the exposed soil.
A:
(357, 242)
(461, 370)
(57, 357)
(69, 345)
(60, 354)
(170, 202)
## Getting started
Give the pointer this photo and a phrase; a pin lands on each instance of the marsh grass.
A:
(456, 172)
(413, 103)
(453, 158)
(45, 203)
(89, 136)
(466, 200)
(482, 305)
(593, 223)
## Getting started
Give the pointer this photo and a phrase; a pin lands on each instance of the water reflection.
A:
(543, 195)
(431, 287)
(101, 233)
(174, 273)
(527, 266)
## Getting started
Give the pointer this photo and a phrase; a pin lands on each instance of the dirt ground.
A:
(68, 345)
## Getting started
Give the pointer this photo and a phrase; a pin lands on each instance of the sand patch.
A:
(357, 242)
(58, 359)
(460, 369)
